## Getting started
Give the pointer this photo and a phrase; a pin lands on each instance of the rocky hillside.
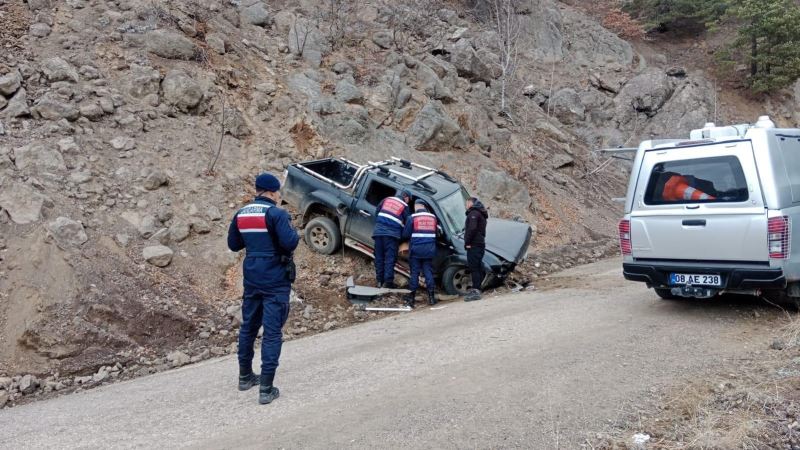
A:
(130, 131)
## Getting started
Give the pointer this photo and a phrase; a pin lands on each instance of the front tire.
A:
(456, 280)
(323, 235)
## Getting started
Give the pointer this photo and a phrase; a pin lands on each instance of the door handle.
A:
(692, 206)
(694, 223)
(364, 213)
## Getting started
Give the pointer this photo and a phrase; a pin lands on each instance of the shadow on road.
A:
(729, 303)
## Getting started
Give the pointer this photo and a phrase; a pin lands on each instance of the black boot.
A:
(409, 299)
(247, 378)
(267, 392)
(432, 298)
(389, 285)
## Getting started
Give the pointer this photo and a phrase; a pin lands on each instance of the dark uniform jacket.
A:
(421, 230)
(392, 215)
(475, 230)
(259, 227)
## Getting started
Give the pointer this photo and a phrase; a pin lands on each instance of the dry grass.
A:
(753, 404)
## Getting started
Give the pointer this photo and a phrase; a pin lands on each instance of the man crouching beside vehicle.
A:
(266, 232)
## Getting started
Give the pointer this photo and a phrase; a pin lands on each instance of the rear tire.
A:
(782, 299)
(456, 280)
(323, 235)
(666, 294)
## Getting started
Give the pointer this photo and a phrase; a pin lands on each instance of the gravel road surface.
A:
(540, 369)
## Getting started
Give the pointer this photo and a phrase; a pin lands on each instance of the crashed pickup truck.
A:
(337, 200)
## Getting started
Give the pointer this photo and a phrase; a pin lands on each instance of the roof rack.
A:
(406, 164)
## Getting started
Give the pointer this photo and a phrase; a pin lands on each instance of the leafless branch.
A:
(221, 137)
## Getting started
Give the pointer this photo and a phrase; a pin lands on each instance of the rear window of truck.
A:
(703, 180)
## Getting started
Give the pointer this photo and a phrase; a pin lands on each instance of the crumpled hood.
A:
(508, 239)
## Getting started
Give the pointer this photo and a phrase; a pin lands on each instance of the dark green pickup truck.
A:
(337, 200)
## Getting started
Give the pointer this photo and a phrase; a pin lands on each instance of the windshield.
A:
(454, 211)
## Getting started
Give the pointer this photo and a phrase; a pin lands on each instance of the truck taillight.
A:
(778, 236)
(625, 236)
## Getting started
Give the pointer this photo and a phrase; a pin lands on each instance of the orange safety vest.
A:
(677, 188)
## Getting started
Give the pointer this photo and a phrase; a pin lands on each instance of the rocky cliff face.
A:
(111, 113)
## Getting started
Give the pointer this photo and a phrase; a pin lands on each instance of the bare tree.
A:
(300, 32)
(338, 16)
(505, 22)
(214, 160)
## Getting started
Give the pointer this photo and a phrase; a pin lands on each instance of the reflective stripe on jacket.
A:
(392, 215)
(421, 230)
(257, 227)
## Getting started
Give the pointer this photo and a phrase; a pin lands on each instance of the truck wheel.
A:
(666, 294)
(456, 280)
(323, 236)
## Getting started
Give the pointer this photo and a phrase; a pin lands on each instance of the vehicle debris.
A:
(362, 294)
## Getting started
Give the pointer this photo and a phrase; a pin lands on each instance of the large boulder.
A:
(469, 65)
(689, 107)
(301, 83)
(21, 202)
(38, 156)
(57, 69)
(255, 14)
(348, 92)
(51, 107)
(383, 39)
(644, 95)
(181, 91)
(433, 130)
(432, 83)
(67, 232)
(28, 384)
(17, 105)
(170, 45)
(143, 81)
(10, 82)
(158, 255)
(567, 106)
(498, 186)
(547, 38)
(589, 44)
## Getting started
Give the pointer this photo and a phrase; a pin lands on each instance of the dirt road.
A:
(535, 370)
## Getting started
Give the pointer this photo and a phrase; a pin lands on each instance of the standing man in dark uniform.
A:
(266, 232)
(475, 243)
(392, 215)
(421, 229)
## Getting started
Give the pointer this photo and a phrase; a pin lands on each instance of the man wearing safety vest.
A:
(421, 229)
(677, 188)
(392, 215)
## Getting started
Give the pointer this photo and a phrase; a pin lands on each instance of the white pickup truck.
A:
(715, 213)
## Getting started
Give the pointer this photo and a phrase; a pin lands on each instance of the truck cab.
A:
(338, 202)
(715, 213)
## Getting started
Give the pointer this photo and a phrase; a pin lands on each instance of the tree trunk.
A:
(753, 52)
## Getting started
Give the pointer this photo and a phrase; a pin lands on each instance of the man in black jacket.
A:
(475, 243)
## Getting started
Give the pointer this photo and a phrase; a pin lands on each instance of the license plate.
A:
(695, 280)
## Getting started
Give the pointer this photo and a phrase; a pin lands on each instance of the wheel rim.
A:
(461, 281)
(320, 237)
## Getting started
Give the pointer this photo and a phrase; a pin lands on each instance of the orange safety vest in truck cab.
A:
(677, 188)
